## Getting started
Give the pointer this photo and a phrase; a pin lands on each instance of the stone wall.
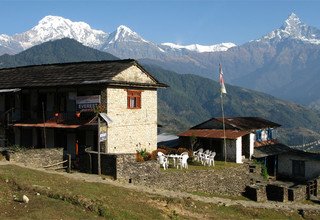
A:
(226, 181)
(121, 167)
(256, 192)
(297, 193)
(37, 157)
(277, 193)
(131, 129)
(129, 170)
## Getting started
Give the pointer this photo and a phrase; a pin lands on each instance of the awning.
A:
(106, 118)
(9, 90)
(214, 133)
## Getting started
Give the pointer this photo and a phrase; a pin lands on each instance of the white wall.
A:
(252, 140)
(239, 150)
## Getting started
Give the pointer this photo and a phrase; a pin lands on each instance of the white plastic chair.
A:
(183, 162)
(196, 154)
(210, 159)
(163, 160)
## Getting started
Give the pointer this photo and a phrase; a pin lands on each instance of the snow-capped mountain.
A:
(123, 34)
(200, 48)
(118, 42)
(125, 43)
(293, 28)
(55, 27)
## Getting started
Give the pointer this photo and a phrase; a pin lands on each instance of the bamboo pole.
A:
(55, 164)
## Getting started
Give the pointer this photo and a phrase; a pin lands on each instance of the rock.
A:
(38, 194)
(25, 199)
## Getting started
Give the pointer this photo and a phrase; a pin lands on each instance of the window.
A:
(298, 168)
(259, 135)
(134, 99)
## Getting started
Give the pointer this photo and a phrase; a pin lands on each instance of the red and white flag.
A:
(223, 88)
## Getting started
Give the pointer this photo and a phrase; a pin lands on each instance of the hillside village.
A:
(97, 124)
(106, 124)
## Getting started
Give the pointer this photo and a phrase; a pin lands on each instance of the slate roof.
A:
(70, 74)
(277, 149)
(269, 150)
(237, 123)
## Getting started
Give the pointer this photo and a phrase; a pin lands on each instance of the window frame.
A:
(134, 96)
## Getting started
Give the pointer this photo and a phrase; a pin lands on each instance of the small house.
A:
(287, 163)
(241, 135)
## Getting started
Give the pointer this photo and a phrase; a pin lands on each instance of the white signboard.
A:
(103, 137)
(87, 102)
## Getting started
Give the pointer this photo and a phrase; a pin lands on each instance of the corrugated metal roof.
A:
(211, 133)
(68, 74)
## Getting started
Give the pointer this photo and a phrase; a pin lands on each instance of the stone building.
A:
(288, 163)
(55, 105)
(242, 135)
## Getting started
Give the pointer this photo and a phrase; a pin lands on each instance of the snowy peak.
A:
(295, 29)
(55, 27)
(200, 48)
(292, 21)
(122, 34)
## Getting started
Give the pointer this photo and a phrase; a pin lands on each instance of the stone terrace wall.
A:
(122, 167)
(228, 181)
(37, 157)
(131, 171)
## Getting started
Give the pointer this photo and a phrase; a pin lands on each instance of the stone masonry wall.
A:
(208, 181)
(122, 167)
(37, 157)
(131, 129)
(129, 170)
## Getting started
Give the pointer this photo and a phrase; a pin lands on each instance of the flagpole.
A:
(224, 129)
(222, 91)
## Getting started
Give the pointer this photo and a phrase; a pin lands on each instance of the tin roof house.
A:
(242, 134)
(55, 105)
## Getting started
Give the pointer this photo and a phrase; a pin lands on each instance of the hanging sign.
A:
(87, 102)
(103, 132)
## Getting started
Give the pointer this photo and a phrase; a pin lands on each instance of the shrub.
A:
(139, 158)
(142, 155)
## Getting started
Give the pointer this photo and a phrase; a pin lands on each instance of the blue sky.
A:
(177, 21)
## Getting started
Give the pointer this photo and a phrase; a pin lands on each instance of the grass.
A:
(235, 197)
(65, 198)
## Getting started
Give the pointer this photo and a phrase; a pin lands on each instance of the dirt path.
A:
(176, 194)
